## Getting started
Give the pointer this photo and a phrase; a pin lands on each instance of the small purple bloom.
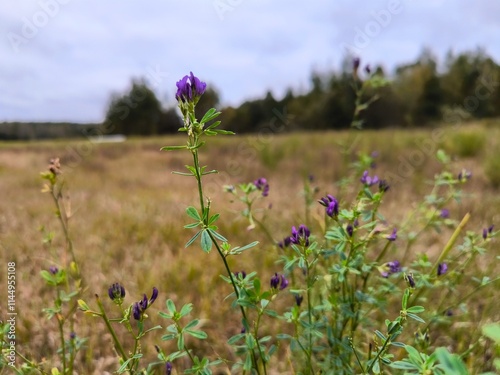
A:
(410, 281)
(261, 184)
(383, 186)
(298, 299)
(53, 270)
(331, 204)
(279, 281)
(300, 236)
(168, 368)
(136, 311)
(368, 180)
(393, 236)
(444, 214)
(116, 292)
(72, 335)
(487, 231)
(349, 229)
(154, 296)
(389, 268)
(240, 274)
(368, 69)
(285, 243)
(356, 223)
(442, 268)
(355, 63)
(190, 88)
(464, 175)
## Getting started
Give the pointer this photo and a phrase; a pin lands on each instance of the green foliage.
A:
(467, 143)
(492, 168)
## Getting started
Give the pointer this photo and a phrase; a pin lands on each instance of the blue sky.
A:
(62, 59)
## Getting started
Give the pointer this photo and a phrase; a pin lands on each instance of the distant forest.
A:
(466, 86)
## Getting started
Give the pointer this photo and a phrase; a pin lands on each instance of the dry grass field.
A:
(128, 210)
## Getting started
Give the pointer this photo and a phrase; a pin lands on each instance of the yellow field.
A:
(128, 210)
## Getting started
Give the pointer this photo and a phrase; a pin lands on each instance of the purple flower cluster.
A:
(190, 88)
(444, 214)
(140, 307)
(279, 282)
(368, 180)
(389, 268)
(331, 204)
(442, 269)
(393, 236)
(116, 292)
(261, 184)
(487, 231)
(53, 270)
(300, 236)
(464, 175)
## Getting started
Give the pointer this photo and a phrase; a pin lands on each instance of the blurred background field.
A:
(128, 211)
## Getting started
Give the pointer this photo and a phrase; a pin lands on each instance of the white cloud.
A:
(85, 50)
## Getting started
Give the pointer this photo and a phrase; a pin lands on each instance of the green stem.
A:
(117, 343)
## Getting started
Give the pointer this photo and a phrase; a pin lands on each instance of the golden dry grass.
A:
(128, 212)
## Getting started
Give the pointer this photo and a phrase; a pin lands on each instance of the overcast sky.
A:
(60, 60)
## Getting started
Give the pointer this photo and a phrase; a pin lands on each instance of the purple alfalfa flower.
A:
(298, 299)
(442, 269)
(487, 231)
(240, 274)
(355, 63)
(278, 282)
(168, 368)
(464, 175)
(444, 213)
(116, 292)
(349, 229)
(390, 268)
(190, 88)
(383, 186)
(261, 184)
(368, 70)
(331, 204)
(285, 243)
(393, 236)
(300, 236)
(53, 270)
(141, 306)
(72, 335)
(368, 180)
(136, 311)
(410, 281)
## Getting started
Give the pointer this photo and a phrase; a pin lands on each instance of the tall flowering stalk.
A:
(189, 91)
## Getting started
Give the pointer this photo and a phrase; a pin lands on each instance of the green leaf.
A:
(238, 250)
(197, 334)
(416, 309)
(213, 219)
(415, 317)
(193, 239)
(171, 306)
(206, 241)
(492, 331)
(192, 225)
(210, 115)
(186, 309)
(193, 213)
(172, 148)
(452, 364)
(192, 324)
(219, 236)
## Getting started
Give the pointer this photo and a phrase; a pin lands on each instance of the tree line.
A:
(466, 86)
